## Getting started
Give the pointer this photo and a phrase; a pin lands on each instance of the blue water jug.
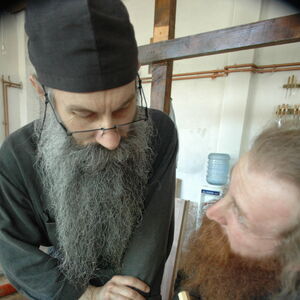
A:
(218, 168)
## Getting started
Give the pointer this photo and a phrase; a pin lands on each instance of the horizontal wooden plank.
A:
(254, 35)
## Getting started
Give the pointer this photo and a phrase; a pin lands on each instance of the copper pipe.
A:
(263, 66)
(241, 70)
(202, 72)
(236, 68)
(5, 108)
(5, 85)
(205, 76)
(191, 73)
(280, 65)
(213, 76)
(279, 70)
(240, 66)
(267, 70)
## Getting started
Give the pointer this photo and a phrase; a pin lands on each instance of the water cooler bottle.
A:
(217, 179)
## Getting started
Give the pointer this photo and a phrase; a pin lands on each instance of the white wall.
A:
(212, 115)
(9, 67)
(14, 62)
(220, 115)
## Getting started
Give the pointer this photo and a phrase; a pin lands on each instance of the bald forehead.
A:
(269, 201)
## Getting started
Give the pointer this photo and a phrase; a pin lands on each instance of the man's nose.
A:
(110, 139)
(217, 212)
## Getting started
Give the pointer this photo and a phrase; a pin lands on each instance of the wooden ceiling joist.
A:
(164, 28)
(270, 32)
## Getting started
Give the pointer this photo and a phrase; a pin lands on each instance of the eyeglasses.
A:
(142, 115)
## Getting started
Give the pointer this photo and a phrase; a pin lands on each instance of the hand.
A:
(120, 288)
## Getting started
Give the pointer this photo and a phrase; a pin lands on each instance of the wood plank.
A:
(164, 28)
(164, 20)
(161, 86)
(271, 32)
(171, 266)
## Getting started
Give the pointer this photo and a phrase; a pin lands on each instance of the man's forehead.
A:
(114, 96)
(264, 197)
(113, 91)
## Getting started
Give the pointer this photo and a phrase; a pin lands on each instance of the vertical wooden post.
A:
(164, 29)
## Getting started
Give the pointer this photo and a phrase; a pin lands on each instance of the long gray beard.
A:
(95, 195)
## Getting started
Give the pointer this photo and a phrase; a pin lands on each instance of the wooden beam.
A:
(271, 32)
(173, 261)
(161, 86)
(164, 20)
(164, 28)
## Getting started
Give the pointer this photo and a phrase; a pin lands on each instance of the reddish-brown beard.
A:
(215, 273)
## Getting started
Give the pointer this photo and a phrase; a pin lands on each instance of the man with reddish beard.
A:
(248, 245)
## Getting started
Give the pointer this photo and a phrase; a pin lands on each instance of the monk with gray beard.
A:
(93, 179)
(106, 215)
(95, 196)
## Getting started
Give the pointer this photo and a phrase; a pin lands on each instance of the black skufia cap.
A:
(81, 45)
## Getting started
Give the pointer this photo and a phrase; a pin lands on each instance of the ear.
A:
(37, 86)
